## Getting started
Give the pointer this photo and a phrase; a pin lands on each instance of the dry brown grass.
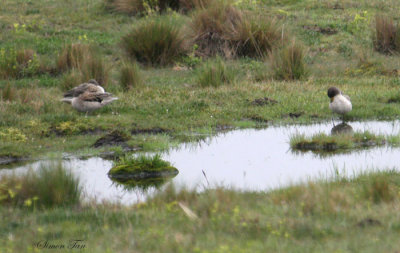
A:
(84, 62)
(136, 7)
(156, 42)
(224, 30)
(288, 62)
(129, 7)
(73, 56)
(387, 37)
(18, 63)
(130, 76)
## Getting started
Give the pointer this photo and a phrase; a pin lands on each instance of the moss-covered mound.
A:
(322, 142)
(142, 167)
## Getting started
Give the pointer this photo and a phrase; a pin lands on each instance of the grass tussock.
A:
(215, 73)
(288, 63)
(129, 7)
(130, 76)
(326, 143)
(156, 42)
(387, 35)
(82, 62)
(222, 29)
(141, 167)
(138, 7)
(18, 63)
(50, 186)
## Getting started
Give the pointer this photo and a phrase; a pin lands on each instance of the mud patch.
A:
(115, 138)
(323, 30)
(258, 119)
(367, 222)
(155, 130)
(394, 99)
(263, 101)
(295, 115)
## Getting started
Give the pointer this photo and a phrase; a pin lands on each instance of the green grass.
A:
(51, 186)
(345, 215)
(321, 142)
(131, 165)
(169, 97)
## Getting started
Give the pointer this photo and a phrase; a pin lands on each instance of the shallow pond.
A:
(252, 159)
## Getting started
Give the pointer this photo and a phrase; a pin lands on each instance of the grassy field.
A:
(356, 215)
(339, 51)
(162, 105)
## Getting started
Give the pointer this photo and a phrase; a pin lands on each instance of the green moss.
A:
(322, 142)
(141, 167)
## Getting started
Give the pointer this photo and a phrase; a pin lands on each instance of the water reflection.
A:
(142, 185)
(342, 128)
(252, 159)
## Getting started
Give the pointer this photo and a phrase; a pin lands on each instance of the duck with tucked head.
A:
(90, 101)
(340, 103)
(88, 97)
(91, 86)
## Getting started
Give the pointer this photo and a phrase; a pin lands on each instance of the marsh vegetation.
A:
(180, 68)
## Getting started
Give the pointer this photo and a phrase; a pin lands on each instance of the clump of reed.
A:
(18, 63)
(386, 38)
(50, 186)
(138, 7)
(130, 76)
(288, 63)
(214, 73)
(80, 63)
(156, 42)
(222, 29)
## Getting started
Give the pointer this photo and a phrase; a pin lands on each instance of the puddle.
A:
(244, 159)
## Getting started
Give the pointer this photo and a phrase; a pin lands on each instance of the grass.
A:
(137, 165)
(214, 73)
(387, 38)
(50, 186)
(82, 62)
(155, 42)
(130, 76)
(224, 30)
(347, 215)
(359, 214)
(18, 63)
(322, 142)
(288, 63)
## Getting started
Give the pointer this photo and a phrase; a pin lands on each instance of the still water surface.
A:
(251, 159)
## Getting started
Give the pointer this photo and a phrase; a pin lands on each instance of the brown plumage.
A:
(90, 86)
(89, 101)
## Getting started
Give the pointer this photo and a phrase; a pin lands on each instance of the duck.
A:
(90, 101)
(340, 103)
(91, 86)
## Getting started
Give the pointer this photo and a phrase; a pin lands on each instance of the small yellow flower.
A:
(28, 202)
(11, 193)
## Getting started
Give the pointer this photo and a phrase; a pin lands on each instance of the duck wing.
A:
(96, 97)
(84, 87)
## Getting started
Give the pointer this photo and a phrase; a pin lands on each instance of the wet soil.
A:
(114, 138)
(155, 130)
(263, 101)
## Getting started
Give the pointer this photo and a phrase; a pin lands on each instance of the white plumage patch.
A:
(340, 104)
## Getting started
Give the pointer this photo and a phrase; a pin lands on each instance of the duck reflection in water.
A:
(342, 128)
